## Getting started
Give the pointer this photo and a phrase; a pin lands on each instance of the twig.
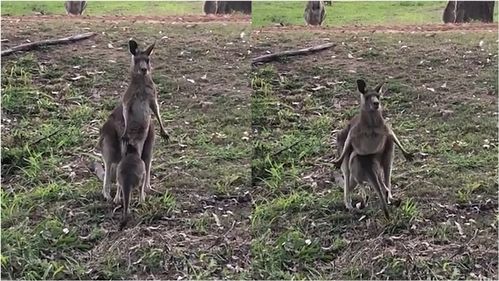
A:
(44, 138)
(286, 148)
(305, 51)
(34, 45)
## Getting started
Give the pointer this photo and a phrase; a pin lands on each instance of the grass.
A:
(55, 223)
(100, 8)
(348, 13)
(300, 226)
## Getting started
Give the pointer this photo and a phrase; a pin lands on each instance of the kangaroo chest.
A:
(370, 140)
(139, 112)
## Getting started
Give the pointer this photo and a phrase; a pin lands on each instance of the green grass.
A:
(348, 13)
(300, 226)
(100, 8)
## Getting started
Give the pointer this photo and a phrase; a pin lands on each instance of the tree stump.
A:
(466, 11)
(210, 7)
(228, 7)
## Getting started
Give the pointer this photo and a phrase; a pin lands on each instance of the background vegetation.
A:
(108, 8)
(348, 13)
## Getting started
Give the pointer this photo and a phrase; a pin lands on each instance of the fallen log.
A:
(34, 45)
(305, 51)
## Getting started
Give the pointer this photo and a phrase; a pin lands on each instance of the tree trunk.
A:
(466, 11)
(228, 7)
(210, 7)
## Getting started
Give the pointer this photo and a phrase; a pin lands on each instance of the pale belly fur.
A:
(139, 123)
(369, 143)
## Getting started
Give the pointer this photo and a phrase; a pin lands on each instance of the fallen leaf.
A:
(217, 220)
(77, 78)
(459, 228)
(318, 88)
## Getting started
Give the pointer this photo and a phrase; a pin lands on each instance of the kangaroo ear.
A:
(149, 49)
(361, 86)
(380, 89)
(133, 47)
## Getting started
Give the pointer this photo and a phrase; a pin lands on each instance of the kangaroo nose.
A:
(143, 70)
(376, 104)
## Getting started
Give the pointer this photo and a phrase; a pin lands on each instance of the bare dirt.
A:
(141, 19)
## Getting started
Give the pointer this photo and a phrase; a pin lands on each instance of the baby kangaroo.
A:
(366, 148)
(131, 174)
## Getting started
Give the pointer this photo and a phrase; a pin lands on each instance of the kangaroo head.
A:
(140, 59)
(370, 98)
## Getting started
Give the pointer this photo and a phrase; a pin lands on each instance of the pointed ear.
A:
(380, 89)
(133, 47)
(361, 86)
(149, 49)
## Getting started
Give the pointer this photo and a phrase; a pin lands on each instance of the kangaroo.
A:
(368, 131)
(140, 99)
(75, 7)
(135, 109)
(359, 169)
(366, 147)
(110, 144)
(314, 12)
(131, 174)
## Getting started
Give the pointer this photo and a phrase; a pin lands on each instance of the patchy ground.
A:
(55, 223)
(423, 28)
(169, 19)
(441, 101)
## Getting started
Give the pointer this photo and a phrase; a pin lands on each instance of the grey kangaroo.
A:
(366, 148)
(130, 122)
(75, 7)
(315, 13)
(131, 174)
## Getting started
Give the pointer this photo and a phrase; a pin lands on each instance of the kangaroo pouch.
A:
(370, 142)
(139, 119)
